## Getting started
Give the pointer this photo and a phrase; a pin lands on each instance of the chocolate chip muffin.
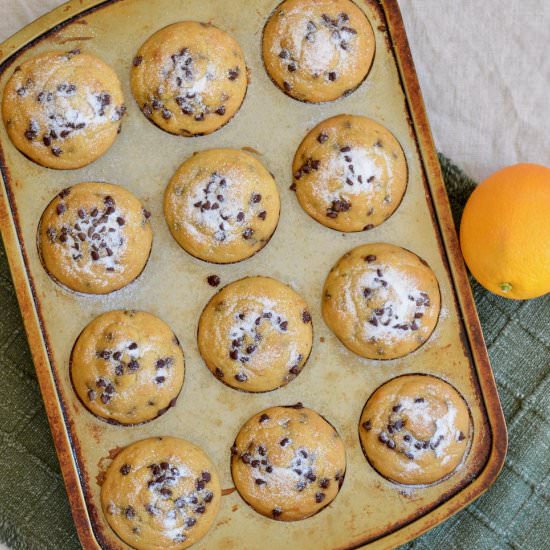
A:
(189, 78)
(381, 301)
(161, 493)
(415, 429)
(318, 50)
(350, 173)
(127, 367)
(222, 205)
(255, 334)
(94, 238)
(63, 109)
(288, 462)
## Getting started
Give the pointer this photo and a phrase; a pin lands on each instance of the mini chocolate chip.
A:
(276, 512)
(367, 425)
(461, 436)
(263, 418)
(160, 379)
(247, 233)
(284, 326)
(287, 86)
(319, 497)
(56, 151)
(322, 137)
(241, 377)
(130, 512)
(213, 280)
(306, 316)
(260, 481)
(284, 442)
(332, 76)
(133, 365)
(419, 400)
(92, 395)
(94, 255)
(200, 509)
(324, 483)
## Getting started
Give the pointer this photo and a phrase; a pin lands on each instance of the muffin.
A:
(127, 367)
(288, 462)
(255, 334)
(222, 205)
(94, 238)
(63, 109)
(189, 78)
(350, 173)
(381, 301)
(161, 493)
(318, 50)
(415, 429)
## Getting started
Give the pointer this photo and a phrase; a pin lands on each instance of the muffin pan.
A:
(369, 510)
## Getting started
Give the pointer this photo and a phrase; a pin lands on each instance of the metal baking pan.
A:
(369, 511)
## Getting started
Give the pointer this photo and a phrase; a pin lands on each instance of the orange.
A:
(505, 232)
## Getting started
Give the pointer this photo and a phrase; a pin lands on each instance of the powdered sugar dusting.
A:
(175, 498)
(93, 240)
(315, 43)
(215, 211)
(403, 303)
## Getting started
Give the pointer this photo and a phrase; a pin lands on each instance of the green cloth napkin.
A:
(34, 513)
